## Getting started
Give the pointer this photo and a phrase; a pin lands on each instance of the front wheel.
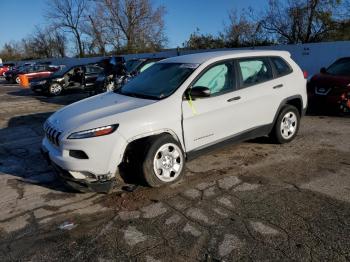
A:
(287, 125)
(55, 89)
(164, 162)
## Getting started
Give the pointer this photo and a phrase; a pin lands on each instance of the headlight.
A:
(99, 131)
(59, 79)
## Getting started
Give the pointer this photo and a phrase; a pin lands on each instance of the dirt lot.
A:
(250, 202)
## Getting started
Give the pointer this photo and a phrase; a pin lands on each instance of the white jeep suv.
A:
(176, 109)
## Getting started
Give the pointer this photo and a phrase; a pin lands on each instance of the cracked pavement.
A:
(249, 202)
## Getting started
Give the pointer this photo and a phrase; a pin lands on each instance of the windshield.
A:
(60, 72)
(159, 81)
(131, 65)
(340, 67)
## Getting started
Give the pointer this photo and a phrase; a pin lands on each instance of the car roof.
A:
(199, 58)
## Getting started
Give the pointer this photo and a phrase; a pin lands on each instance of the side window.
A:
(255, 70)
(93, 70)
(88, 70)
(281, 66)
(218, 79)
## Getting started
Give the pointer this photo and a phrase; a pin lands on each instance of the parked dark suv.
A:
(330, 89)
(80, 77)
(123, 73)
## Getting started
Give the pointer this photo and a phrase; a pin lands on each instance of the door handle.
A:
(234, 99)
(278, 86)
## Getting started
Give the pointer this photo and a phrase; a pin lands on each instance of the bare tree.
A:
(244, 30)
(198, 40)
(58, 43)
(136, 24)
(300, 21)
(96, 29)
(44, 43)
(11, 51)
(69, 15)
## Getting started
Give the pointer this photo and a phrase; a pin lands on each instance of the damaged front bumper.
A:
(102, 184)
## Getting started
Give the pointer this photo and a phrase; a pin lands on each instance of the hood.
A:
(326, 80)
(98, 110)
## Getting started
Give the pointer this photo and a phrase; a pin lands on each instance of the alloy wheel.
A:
(55, 89)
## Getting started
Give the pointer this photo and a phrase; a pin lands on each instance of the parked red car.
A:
(37, 72)
(330, 89)
(4, 68)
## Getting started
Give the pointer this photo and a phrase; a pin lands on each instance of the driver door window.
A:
(219, 79)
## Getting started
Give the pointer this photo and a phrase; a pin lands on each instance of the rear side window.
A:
(255, 71)
(281, 66)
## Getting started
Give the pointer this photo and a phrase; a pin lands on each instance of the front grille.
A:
(52, 134)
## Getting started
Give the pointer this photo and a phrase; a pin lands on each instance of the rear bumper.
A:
(331, 103)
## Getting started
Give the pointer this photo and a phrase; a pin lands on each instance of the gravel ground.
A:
(249, 202)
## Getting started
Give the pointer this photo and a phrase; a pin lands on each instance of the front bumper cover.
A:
(103, 186)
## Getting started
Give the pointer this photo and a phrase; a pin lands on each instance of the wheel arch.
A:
(144, 138)
(296, 101)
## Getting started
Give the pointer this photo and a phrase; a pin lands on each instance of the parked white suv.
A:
(176, 109)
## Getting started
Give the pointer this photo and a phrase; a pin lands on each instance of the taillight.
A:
(306, 74)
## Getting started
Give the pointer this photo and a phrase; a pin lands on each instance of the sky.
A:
(19, 17)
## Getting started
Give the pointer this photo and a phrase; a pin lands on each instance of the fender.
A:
(144, 135)
(156, 132)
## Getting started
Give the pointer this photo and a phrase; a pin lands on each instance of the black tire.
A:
(277, 134)
(148, 164)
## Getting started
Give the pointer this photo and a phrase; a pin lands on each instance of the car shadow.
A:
(20, 155)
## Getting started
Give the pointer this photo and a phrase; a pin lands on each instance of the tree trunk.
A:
(80, 45)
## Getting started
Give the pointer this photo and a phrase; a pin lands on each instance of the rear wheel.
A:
(55, 89)
(164, 162)
(287, 125)
(18, 80)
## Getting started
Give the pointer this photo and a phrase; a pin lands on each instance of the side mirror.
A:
(198, 92)
(323, 70)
